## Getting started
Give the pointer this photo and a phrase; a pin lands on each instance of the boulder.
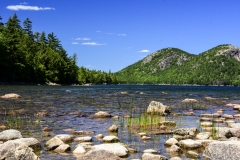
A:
(113, 128)
(206, 124)
(65, 137)
(62, 148)
(85, 145)
(29, 142)
(83, 139)
(228, 116)
(11, 95)
(115, 148)
(14, 150)
(222, 150)
(158, 108)
(110, 139)
(99, 154)
(175, 150)
(234, 125)
(150, 151)
(171, 142)
(214, 115)
(192, 154)
(188, 100)
(99, 136)
(79, 150)
(190, 144)
(206, 142)
(184, 133)
(53, 143)
(175, 158)
(203, 135)
(150, 156)
(10, 134)
(101, 114)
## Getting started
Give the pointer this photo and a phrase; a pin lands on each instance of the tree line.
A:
(38, 57)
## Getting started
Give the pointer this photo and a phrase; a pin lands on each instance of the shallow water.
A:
(73, 110)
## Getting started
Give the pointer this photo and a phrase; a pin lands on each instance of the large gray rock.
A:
(83, 139)
(99, 154)
(158, 108)
(190, 144)
(65, 137)
(110, 139)
(171, 141)
(79, 150)
(53, 143)
(224, 150)
(14, 150)
(150, 156)
(184, 133)
(115, 148)
(62, 148)
(203, 135)
(29, 142)
(234, 125)
(10, 134)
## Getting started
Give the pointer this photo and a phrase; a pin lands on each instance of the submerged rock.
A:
(158, 108)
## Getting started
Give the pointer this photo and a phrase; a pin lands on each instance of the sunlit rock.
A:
(10, 134)
(158, 108)
(102, 114)
(11, 95)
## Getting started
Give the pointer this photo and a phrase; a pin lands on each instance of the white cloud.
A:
(93, 44)
(84, 38)
(89, 66)
(24, 3)
(31, 8)
(75, 43)
(98, 31)
(122, 34)
(144, 50)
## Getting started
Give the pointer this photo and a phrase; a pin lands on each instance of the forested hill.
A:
(217, 66)
(27, 57)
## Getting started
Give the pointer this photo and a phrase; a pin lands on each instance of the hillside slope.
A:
(217, 66)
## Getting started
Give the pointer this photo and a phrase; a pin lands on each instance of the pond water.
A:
(73, 106)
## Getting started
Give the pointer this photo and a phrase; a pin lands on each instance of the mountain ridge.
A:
(219, 65)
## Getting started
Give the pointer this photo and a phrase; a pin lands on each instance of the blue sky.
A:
(112, 34)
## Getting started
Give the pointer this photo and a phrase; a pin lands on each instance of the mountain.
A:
(217, 66)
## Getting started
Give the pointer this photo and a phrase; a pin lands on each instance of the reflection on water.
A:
(59, 109)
